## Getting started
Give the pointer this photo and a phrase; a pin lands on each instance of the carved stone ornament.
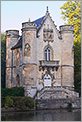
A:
(48, 35)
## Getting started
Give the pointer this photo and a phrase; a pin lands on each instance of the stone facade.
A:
(41, 56)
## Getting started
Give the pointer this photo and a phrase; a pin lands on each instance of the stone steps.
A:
(56, 92)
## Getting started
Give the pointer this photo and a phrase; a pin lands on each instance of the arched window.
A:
(27, 50)
(47, 54)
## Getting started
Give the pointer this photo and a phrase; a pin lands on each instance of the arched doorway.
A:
(47, 80)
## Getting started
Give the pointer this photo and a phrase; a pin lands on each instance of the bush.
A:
(2, 102)
(8, 102)
(15, 91)
(28, 102)
(23, 103)
(19, 103)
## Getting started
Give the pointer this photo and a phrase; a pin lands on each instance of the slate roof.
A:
(39, 21)
(18, 44)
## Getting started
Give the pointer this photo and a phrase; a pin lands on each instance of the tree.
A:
(71, 12)
(3, 59)
(77, 67)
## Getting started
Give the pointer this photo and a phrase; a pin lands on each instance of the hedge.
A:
(19, 103)
(15, 91)
(8, 102)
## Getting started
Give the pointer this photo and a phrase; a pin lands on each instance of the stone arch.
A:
(48, 49)
(47, 80)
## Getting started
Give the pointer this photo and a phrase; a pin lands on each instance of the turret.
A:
(11, 40)
(29, 42)
(67, 56)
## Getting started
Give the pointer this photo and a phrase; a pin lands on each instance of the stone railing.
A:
(53, 91)
(49, 63)
(49, 89)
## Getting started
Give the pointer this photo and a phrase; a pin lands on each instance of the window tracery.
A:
(48, 53)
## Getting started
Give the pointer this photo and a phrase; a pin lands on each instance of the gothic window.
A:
(27, 50)
(47, 54)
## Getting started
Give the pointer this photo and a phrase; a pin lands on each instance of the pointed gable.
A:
(39, 22)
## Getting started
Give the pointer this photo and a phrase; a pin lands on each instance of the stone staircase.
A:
(56, 92)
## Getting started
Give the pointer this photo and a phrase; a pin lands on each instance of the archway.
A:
(47, 80)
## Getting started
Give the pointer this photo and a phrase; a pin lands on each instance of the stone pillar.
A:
(67, 59)
(11, 40)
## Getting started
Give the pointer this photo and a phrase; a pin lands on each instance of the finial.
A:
(47, 9)
(29, 20)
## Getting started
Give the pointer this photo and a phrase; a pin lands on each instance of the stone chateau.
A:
(41, 59)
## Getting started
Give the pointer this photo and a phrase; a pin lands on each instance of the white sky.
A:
(14, 13)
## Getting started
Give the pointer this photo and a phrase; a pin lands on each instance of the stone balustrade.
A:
(56, 92)
(49, 63)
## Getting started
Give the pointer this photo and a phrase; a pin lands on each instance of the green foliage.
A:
(28, 102)
(3, 102)
(15, 91)
(3, 59)
(23, 103)
(77, 69)
(8, 102)
(18, 103)
(71, 12)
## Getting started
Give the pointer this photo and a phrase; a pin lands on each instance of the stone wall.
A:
(11, 40)
(29, 74)
(58, 103)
